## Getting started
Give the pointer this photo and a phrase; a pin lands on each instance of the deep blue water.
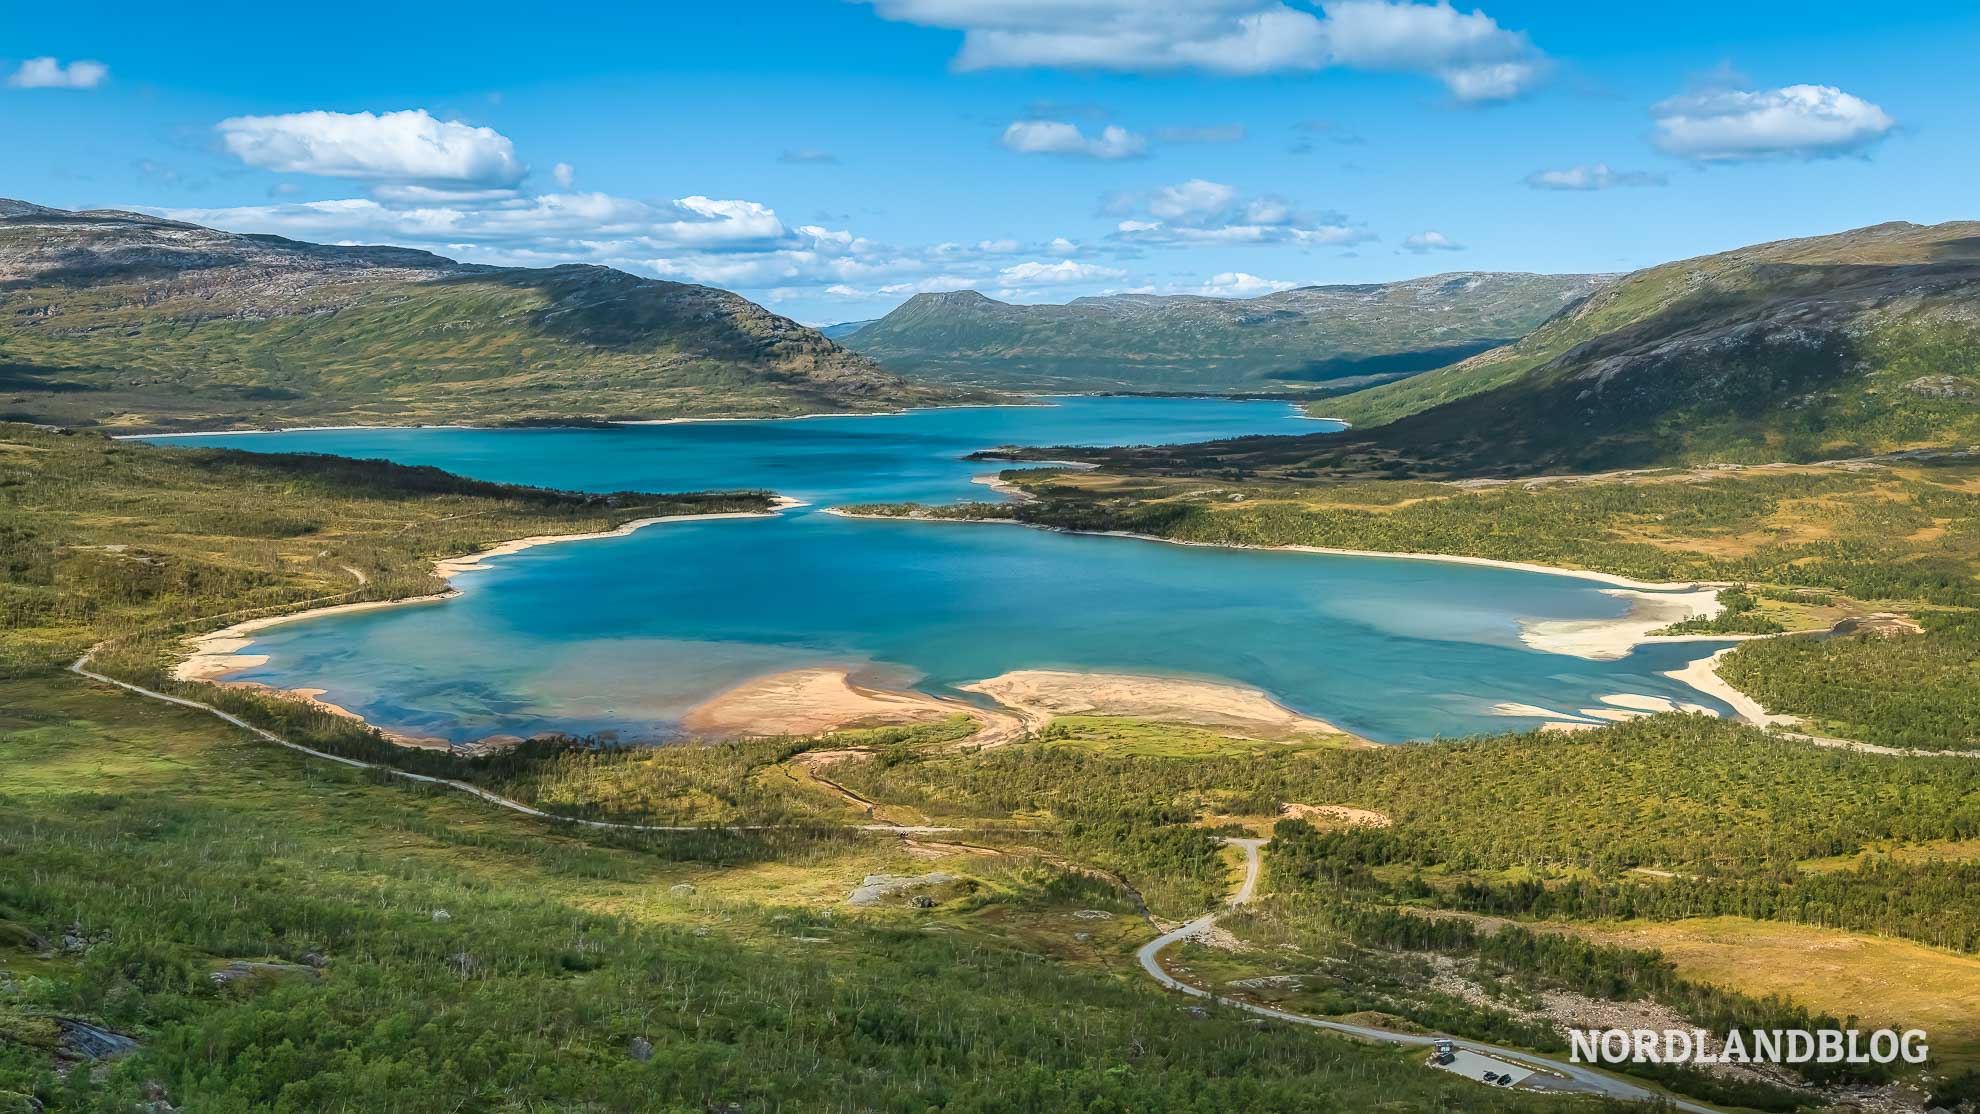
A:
(626, 634)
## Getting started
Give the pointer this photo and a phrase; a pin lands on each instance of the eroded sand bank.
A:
(819, 700)
(1039, 695)
(1610, 639)
(814, 701)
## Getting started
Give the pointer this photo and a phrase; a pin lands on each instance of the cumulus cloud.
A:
(1798, 121)
(1238, 284)
(1063, 272)
(1199, 212)
(564, 175)
(1052, 137)
(1475, 58)
(49, 73)
(407, 146)
(568, 227)
(930, 284)
(1596, 176)
(1422, 242)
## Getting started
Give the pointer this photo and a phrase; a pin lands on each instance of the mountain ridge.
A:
(1301, 336)
(138, 322)
(1853, 344)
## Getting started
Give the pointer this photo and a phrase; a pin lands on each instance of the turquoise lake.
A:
(623, 635)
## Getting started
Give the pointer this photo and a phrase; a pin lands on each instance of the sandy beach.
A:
(1703, 675)
(1610, 639)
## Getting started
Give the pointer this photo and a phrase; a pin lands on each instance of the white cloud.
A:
(572, 226)
(49, 73)
(1051, 137)
(1798, 121)
(1193, 198)
(1597, 176)
(408, 146)
(1430, 241)
(1237, 284)
(563, 174)
(1469, 52)
(807, 154)
(1056, 274)
(1204, 212)
(1475, 58)
(931, 284)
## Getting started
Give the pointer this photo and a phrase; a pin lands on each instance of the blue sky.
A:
(831, 158)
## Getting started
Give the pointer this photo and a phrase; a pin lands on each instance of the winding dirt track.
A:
(1579, 1078)
(81, 667)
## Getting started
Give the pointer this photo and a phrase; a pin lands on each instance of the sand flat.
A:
(1610, 639)
(812, 701)
(1041, 695)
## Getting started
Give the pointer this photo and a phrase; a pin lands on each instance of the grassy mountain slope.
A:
(1188, 342)
(1833, 346)
(134, 322)
(1856, 344)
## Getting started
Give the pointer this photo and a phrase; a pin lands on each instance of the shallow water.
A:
(625, 634)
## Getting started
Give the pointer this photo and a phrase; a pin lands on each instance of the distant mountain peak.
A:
(954, 298)
(1159, 342)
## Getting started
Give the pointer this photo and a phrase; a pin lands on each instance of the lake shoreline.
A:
(1614, 580)
(216, 654)
(1611, 638)
(580, 424)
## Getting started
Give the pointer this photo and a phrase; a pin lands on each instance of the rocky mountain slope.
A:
(135, 322)
(1188, 342)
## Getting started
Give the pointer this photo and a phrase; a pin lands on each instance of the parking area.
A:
(1473, 1065)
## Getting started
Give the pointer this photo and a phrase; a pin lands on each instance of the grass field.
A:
(471, 959)
(1879, 981)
